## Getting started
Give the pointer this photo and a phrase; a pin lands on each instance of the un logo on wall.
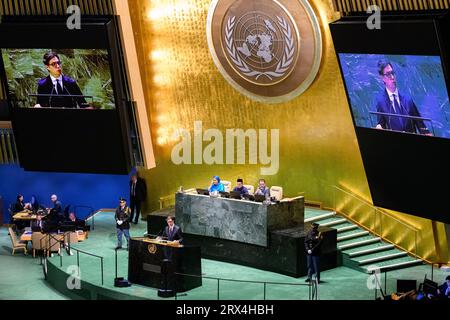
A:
(152, 248)
(268, 50)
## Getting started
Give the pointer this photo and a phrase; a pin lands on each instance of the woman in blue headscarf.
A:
(216, 185)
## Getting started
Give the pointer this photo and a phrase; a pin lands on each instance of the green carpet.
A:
(21, 276)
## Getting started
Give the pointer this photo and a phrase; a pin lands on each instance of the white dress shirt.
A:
(60, 83)
(391, 97)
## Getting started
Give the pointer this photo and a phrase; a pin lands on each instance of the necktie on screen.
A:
(398, 121)
(58, 87)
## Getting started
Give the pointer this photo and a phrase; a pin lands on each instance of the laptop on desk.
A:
(235, 195)
(224, 194)
(260, 198)
(204, 192)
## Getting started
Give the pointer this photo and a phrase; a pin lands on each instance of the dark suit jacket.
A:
(442, 289)
(175, 235)
(35, 225)
(141, 190)
(19, 206)
(124, 216)
(313, 242)
(56, 213)
(384, 105)
(45, 86)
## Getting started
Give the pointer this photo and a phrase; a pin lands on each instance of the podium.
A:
(149, 259)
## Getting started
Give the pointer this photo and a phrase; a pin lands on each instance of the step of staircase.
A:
(361, 251)
(346, 227)
(352, 234)
(380, 256)
(362, 242)
(320, 217)
(313, 212)
(333, 222)
(394, 264)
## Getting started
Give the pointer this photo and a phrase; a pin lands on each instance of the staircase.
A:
(358, 249)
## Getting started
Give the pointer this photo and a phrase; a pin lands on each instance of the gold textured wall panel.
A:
(318, 146)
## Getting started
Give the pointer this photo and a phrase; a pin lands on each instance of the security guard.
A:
(122, 222)
(313, 241)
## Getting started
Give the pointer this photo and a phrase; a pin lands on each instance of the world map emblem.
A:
(268, 50)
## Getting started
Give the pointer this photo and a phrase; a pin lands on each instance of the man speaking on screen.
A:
(395, 105)
(58, 90)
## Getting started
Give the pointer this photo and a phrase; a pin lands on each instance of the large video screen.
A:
(59, 78)
(67, 93)
(402, 93)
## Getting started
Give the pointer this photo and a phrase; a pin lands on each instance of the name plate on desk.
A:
(151, 267)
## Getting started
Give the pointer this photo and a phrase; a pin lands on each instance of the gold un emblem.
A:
(268, 50)
(152, 248)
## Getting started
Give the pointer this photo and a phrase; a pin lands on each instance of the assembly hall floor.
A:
(21, 277)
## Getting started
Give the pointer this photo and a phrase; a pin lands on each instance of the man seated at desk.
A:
(38, 225)
(240, 187)
(444, 289)
(263, 190)
(73, 218)
(172, 232)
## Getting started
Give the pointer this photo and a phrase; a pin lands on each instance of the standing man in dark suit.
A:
(172, 232)
(56, 213)
(57, 84)
(138, 192)
(313, 241)
(395, 105)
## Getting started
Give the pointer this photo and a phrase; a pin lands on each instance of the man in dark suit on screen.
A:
(55, 88)
(396, 104)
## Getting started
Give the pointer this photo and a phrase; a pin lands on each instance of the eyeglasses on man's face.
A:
(389, 74)
(57, 63)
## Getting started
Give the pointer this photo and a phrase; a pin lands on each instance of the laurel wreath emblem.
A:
(282, 66)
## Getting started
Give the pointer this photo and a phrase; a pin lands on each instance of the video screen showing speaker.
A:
(67, 93)
(397, 80)
(59, 78)
(402, 93)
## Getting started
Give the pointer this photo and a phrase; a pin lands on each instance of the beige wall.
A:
(318, 145)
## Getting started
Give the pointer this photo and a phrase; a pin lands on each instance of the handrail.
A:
(439, 264)
(399, 115)
(377, 209)
(91, 214)
(312, 285)
(78, 254)
(378, 213)
(246, 281)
